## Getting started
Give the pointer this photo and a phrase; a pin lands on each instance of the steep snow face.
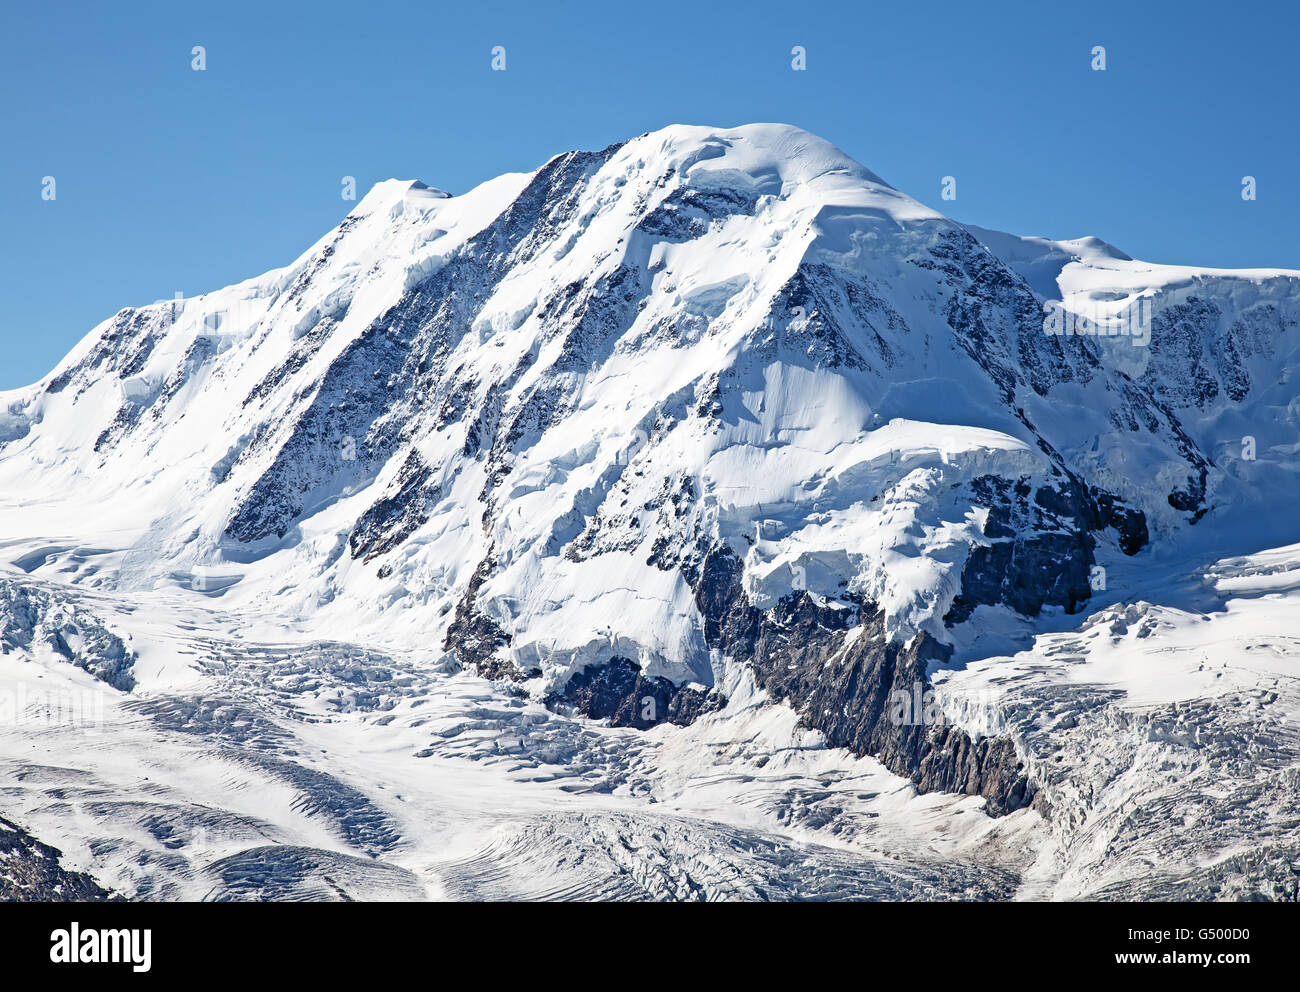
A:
(515, 422)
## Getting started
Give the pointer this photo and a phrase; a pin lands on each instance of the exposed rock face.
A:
(619, 692)
(392, 519)
(1129, 524)
(869, 695)
(1200, 354)
(476, 637)
(839, 670)
(1039, 552)
(30, 871)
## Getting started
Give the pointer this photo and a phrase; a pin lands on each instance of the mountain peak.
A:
(811, 369)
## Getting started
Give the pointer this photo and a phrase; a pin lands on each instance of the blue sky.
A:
(171, 180)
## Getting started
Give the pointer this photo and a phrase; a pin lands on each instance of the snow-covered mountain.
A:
(712, 432)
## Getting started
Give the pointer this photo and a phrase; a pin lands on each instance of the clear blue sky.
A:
(174, 180)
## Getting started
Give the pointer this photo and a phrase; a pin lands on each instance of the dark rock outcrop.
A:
(397, 514)
(865, 693)
(618, 691)
(1039, 553)
(475, 636)
(31, 871)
